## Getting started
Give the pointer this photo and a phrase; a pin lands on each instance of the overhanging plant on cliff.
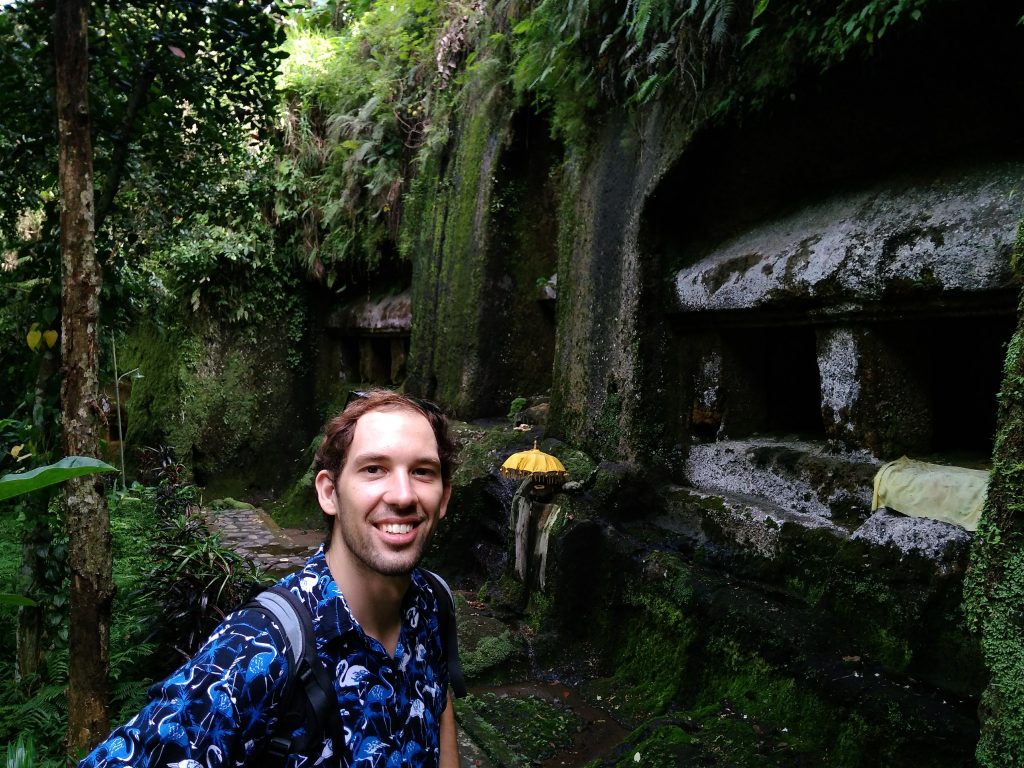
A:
(579, 56)
(357, 90)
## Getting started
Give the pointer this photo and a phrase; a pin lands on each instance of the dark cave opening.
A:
(771, 382)
(955, 364)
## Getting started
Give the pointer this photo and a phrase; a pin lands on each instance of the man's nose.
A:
(400, 492)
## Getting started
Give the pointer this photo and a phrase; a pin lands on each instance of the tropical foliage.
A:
(357, 88)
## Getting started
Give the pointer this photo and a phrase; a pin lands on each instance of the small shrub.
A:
(197, 581)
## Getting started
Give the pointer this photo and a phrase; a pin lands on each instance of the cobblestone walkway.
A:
(254, 534)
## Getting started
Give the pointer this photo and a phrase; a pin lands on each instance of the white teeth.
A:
(396, 528)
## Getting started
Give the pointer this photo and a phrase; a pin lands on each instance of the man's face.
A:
(389, 496)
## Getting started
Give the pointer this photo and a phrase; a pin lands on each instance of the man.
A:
(383, 481)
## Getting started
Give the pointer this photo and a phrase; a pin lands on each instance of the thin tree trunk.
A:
(30, 618)
(29, 634)
(89, 546)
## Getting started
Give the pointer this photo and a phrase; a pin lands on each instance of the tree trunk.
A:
(29, 635)
(30, 618)
(89, 545)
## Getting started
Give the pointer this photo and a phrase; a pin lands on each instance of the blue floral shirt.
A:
(219, 707)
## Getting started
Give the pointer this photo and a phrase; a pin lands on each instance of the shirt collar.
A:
(317, 588)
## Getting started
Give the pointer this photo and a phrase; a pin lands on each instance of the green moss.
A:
(485, 734)
(892, 650)
(994, 586)
(452, 236)
(655, 639)
(809, 589)
(483, 451)
(297, 507)
(608, 427)
(229, 503)
(516, 731)
(651, 669)
(578, 465)
(517, 405)
(1017, 254)
(490, 652)
(154, 397)
(507, 593)
(758, 690)
(659, 745)
(225, 398)
(538, 611)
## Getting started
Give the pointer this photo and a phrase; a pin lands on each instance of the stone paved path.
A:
(253, 533)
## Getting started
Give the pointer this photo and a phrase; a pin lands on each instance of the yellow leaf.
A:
(16, 450)
(50, 337)
(34, 337)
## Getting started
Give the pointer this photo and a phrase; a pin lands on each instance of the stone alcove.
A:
(841, 259)
(369, 339)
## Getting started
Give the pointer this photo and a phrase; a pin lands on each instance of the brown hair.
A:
(339, 431)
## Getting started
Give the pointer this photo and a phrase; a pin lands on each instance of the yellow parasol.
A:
(542, 468)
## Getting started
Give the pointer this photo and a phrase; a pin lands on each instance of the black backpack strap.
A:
(448, 625)
(309, 699)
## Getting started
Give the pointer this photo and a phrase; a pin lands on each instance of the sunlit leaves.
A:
(358, 95)
(15, 484)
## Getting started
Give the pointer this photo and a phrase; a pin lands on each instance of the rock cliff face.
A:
(755, 311)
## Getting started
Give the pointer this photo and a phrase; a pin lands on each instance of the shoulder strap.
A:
(309, 692)
(449, 629)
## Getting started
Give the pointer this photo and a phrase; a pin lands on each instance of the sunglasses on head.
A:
(426, 405)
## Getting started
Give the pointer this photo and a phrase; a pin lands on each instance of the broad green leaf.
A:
(16, 600)
(40, 477)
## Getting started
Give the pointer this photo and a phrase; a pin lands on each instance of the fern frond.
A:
(720, 28)
(57, 665)
(752, 35)
(658, 53)
(641, 19)
(52, 695)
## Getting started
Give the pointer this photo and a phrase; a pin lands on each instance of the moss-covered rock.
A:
(471, 543)
(225, 399)
(831, 649)
(516, 731)
(994, 593)
(228, 503)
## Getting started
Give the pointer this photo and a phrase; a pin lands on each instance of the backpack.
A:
(309, 691)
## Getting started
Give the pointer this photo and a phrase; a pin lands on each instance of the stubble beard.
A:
(380, 560)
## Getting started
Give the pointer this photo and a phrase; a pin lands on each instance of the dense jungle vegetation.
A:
(254, 162)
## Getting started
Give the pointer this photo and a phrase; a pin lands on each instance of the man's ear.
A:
(444, 501)
(325, 487)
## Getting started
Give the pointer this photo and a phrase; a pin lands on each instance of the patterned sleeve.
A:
(211, 712)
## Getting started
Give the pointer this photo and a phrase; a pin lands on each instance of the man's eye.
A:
(373, 469)
(428, 472)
